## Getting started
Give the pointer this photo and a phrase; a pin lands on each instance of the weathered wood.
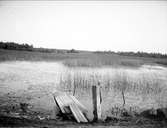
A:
(77, 113)
(99, 102)
(57, 104)
(81, 106)
(60, 104)
(69, 104)
(94, 99)
(96, 102)
(64, 102)
(56, 109)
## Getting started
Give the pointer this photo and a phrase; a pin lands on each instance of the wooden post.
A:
(99, 100)
(96, 96)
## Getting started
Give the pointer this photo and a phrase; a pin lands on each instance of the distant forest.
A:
(135, 54)
(27, 47)
(15, 46)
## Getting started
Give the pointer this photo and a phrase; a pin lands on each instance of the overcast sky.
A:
(95, 25)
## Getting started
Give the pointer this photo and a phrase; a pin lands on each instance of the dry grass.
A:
(118, 86)
(102, 62)
(81, 59)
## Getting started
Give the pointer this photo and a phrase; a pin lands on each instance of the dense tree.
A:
(136, 54)
(15, 46)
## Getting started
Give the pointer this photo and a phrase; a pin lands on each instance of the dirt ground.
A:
(7, 121)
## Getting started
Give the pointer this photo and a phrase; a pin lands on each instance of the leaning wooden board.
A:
(82, 107)
(70, 103)
(77, 113)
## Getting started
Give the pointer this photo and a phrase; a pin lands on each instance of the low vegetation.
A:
(126, 95)
(102, 61)
(10, 51)
(136, 54)
(119, 82)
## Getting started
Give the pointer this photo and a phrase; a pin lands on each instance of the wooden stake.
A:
(96, 103)
(99, 102)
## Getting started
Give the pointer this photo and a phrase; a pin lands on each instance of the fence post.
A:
(96, 97)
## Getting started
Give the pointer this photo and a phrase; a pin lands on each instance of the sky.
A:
(86, 25)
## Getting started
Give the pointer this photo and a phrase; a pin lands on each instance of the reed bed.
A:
(101, 61)
(121, 83)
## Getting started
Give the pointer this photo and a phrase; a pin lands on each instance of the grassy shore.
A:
(81, 59)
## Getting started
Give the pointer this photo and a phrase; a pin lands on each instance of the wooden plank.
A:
(59, 101)
(65, 103)
(81, 106)
(56, 105)
(77, 113)
(74, 107)
(62, 104)
(65, 100)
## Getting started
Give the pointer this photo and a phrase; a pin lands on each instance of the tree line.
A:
(15, 46)
(27, 47)
(143, 54)
(136, 54)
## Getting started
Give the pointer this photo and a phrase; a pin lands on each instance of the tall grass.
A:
(102, 61)
(122, 82)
